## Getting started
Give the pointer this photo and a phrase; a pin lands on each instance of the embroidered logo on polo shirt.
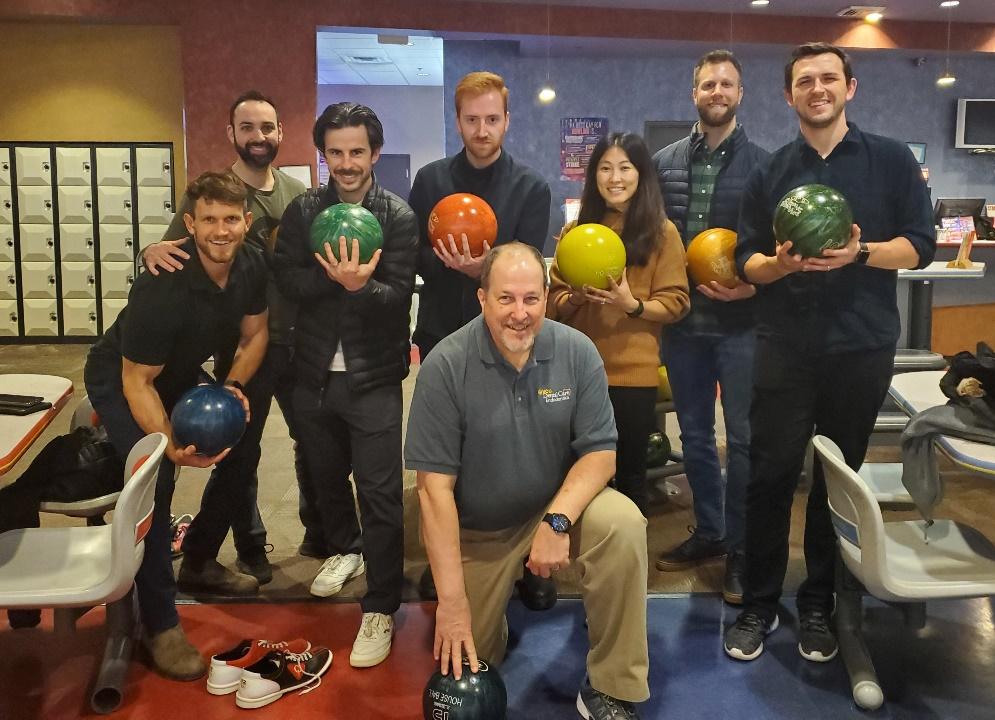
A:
(553, 396)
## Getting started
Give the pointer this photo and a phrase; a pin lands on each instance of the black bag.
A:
(77, 466)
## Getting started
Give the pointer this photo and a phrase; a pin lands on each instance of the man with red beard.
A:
(520, 199)
(255, 131)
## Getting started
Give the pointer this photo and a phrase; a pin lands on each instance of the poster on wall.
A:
(578, 136)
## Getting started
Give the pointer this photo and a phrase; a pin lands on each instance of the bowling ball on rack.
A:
(209, 417)
(349, 221)
(475, 696)
(589, 254)
(657, 450)
(710, 257)
(459, 214)
(814, 218)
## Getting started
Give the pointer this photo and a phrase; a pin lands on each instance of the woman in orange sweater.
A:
(624, 321)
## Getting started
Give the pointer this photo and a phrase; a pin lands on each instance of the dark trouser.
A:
(425, 343)
(342, 432)
(837, 395)
(154, 581)
(635, 419)
(229, 499)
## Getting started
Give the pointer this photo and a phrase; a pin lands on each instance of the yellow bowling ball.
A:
(589, 254)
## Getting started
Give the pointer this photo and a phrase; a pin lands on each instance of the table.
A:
(920, 308)
(918, 391)
(18, 432)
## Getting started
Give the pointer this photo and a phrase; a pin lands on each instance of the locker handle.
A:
(12, 280)
(51, 279)
(46, 167)
(89, 242)
(50, 242)
(53, 317)
(5, 167)
(48, 204)
(165, 167)
(127, 242)
(88, 204)
(13, 317)
(127, 204)
(90, 279)
(125, 167)
(166, 205)
(86, 167)
(130, 280)
(7, 204)
(10, 243)
(93, 317)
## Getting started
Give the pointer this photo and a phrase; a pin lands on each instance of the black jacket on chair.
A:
(372, 323)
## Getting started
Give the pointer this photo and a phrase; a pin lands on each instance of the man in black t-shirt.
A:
(152, 354)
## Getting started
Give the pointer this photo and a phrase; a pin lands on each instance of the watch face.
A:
(559, 522)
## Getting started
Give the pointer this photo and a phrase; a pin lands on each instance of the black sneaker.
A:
(816, 641)
(732, 583)
(594, 705)
(744, 640)
(257, 564)
(693, 551)
(536, 593)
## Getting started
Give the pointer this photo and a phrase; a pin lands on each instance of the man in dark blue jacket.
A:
(702, 179)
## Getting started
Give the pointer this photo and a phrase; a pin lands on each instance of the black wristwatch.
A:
(558, 521)
(235, 384)
(862, 254)
(638, 311)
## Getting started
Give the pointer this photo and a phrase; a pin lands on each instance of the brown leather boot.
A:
(212, 577)
(173, 656)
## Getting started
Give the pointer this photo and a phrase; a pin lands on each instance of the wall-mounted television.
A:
(975, 123)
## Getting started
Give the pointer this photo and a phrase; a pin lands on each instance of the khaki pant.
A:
(608, 549)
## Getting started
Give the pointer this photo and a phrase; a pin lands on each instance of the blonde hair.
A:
(478, 83)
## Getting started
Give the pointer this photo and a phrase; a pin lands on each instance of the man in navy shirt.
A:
(827, 330)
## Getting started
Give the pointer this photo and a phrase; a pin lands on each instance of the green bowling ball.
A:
(814, 218)
(351, 221)
(658, 450)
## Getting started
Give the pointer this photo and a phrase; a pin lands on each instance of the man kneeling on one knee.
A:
(512, 435)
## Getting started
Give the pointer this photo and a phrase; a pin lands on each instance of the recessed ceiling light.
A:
(950, 3)
(760, 3)
(874, 17)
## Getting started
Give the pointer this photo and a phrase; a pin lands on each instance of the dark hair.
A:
(224, 187)
(815, 48)
(348, 114)
(714, 57)
(499, 250)
(644, 217)
(250, 96)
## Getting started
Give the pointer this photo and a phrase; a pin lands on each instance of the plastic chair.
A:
(901, 562)
(93, 509)
(73, 569)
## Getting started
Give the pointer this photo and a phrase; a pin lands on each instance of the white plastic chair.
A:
(897, 562)
(73, 569)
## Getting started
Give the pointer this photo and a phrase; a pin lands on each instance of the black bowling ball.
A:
(475, 696)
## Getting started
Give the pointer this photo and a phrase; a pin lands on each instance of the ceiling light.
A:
(874, 17)
(759, 3)
(946, 79)
(547, 95)
(950, 3)
(861, 12)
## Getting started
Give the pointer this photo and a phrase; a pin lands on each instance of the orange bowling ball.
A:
(710, 256)
(461, 213)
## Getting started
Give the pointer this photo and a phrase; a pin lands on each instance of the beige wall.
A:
(92, 83)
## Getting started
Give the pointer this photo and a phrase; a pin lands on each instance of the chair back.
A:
(856, 517)
(133, 513)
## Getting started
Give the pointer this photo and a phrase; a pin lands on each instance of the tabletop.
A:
(18, 432)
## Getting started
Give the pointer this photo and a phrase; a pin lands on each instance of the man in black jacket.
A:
(702, 179)
(352, 352)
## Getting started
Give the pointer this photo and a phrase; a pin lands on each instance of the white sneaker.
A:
(334, 573)
(372, 644)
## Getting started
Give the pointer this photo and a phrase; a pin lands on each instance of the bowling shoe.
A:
(226, 668)
(279, 673)
(594, 705)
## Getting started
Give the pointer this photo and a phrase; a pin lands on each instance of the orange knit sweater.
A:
(630, 347)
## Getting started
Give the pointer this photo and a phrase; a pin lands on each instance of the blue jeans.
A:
(695, 363)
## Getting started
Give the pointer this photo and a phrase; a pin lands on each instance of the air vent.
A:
(860, 11)
(368, 60)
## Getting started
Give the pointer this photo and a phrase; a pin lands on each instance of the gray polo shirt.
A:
(509, 437)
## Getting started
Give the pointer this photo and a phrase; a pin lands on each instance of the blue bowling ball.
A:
(209, 417)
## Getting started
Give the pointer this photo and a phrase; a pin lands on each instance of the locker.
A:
(38, 279)
(112, 307)
(5, 167)
(114, 166)
(116, 279)
(8, 317)
(153, 167)
(34, 166)
(72, 166)
(117, 243)
(78, 280)
(34, 204)
(6, 243)
(6, 206)
(75, 204)
(114, 204)
(79, 317)
(149, 234)
(8, 281)
(37, 243)
(41, 317)
(155, 205)
(76, 242)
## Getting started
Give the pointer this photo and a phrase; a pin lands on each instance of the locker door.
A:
(4, 169)
(38, 279)
(114, 167)
(155, 205)
(112, 307)
(8, 317)
(8, 281)
(72, 166)
(78, 280)
(79, 317)
(37, 243)
(149, 234)
(6, 206)
(75, 204)
(116, 243)
(34, 204)
(114, 205)
(153, 168)
(116, 279)
(76, 242)
(34, 166)
(41, 317)
(6, 243)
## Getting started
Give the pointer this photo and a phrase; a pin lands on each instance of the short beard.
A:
(729, 114)
(260, 162)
